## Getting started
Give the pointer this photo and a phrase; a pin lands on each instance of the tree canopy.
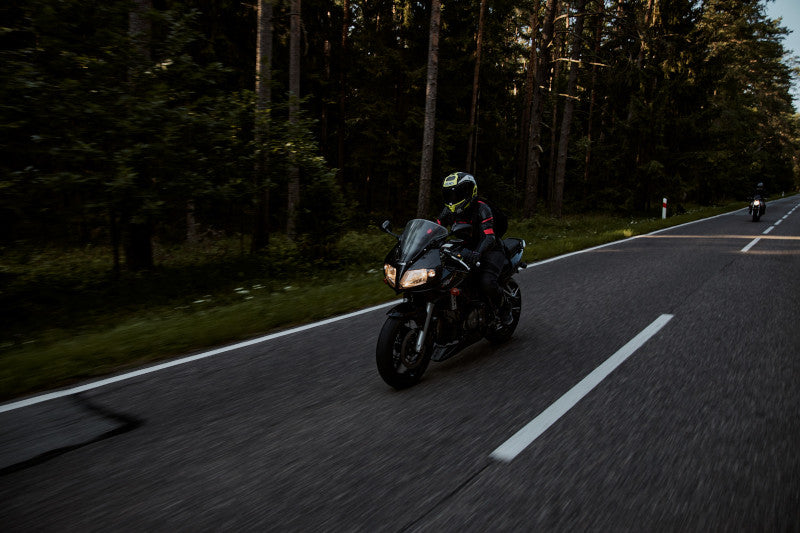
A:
(107, 132)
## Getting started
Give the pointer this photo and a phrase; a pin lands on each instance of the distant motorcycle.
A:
(757, 207)
(442, 310)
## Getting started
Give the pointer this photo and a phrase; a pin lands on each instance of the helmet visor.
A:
(452, 195)
(461, 192)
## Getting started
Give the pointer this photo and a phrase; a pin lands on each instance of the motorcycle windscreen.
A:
(418, 234)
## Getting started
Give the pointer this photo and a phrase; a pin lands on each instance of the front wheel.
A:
(756, 215)
(514, 297)
(399, 364)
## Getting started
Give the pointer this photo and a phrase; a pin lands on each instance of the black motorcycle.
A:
(442, 310)
(757, 207)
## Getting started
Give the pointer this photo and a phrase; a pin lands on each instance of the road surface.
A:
(652, 385)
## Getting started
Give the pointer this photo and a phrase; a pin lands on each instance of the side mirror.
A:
(386, 227)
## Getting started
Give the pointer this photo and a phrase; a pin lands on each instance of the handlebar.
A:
(457, 259)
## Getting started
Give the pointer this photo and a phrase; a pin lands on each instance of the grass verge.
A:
(61, 356)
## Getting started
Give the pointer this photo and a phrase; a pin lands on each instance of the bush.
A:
(365, 250)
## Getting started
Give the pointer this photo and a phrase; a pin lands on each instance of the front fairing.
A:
(417, 249)
(418, 235)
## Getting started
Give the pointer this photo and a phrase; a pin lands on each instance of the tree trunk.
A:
(342, 87)
(423, 200)
(115, 238)
(139, 27)
(294, 110)
(261, 180)
(598, 34)
(569, 108)
(137, 231)
(559, 50)
(530, 82)
(534, 141)
(191, 223)
(648, 18)
(138, 244)
(473, 110)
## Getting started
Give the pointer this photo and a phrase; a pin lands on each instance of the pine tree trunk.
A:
(559, 49)
(648, 17)
(115, 241)
(473, 110)
(569, 108)
(139, 27)
(423, 200)
(138, 244)
(530, 83)
(343, 87)
(534, 141)
(598, 34)
(263, 102)
(294, 110)
(191, 223)
(137, 231)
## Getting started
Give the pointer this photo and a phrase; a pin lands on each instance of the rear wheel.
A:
(399, 363)
(514, 296)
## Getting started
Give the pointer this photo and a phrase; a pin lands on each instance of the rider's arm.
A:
(486, 228)
(445, 218)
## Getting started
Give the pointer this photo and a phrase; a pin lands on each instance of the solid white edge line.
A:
(507, 451)
(128, 375)
(752, 243)
(115, 379)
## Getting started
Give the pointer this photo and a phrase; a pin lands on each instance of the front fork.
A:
(424, 334)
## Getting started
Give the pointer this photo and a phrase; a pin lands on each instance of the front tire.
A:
(399, 364)
(503, 333)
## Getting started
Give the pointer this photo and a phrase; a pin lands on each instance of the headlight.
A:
(757, 202)
(391, 273)
(413, 278)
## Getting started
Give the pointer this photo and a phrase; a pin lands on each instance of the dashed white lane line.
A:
(525, 436)
(766, 231)
(752, 243)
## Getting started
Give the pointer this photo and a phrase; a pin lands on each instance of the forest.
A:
(129, 121)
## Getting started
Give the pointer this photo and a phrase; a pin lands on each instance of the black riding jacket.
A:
(479, 216)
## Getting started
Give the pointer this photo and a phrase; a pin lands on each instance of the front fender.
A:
(405, 310)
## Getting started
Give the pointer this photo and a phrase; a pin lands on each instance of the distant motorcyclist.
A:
(759, 193)
(462, 206)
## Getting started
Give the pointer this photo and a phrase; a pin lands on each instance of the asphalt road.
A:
(697, 429)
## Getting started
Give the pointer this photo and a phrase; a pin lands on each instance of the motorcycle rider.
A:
(462, 206)
(759, 193)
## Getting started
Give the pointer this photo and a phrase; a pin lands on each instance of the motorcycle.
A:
(757, 207)
(442, 310)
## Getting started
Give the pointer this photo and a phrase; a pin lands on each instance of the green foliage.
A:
(363, 249)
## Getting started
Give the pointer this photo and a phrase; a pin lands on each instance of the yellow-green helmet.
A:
(459, 189)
